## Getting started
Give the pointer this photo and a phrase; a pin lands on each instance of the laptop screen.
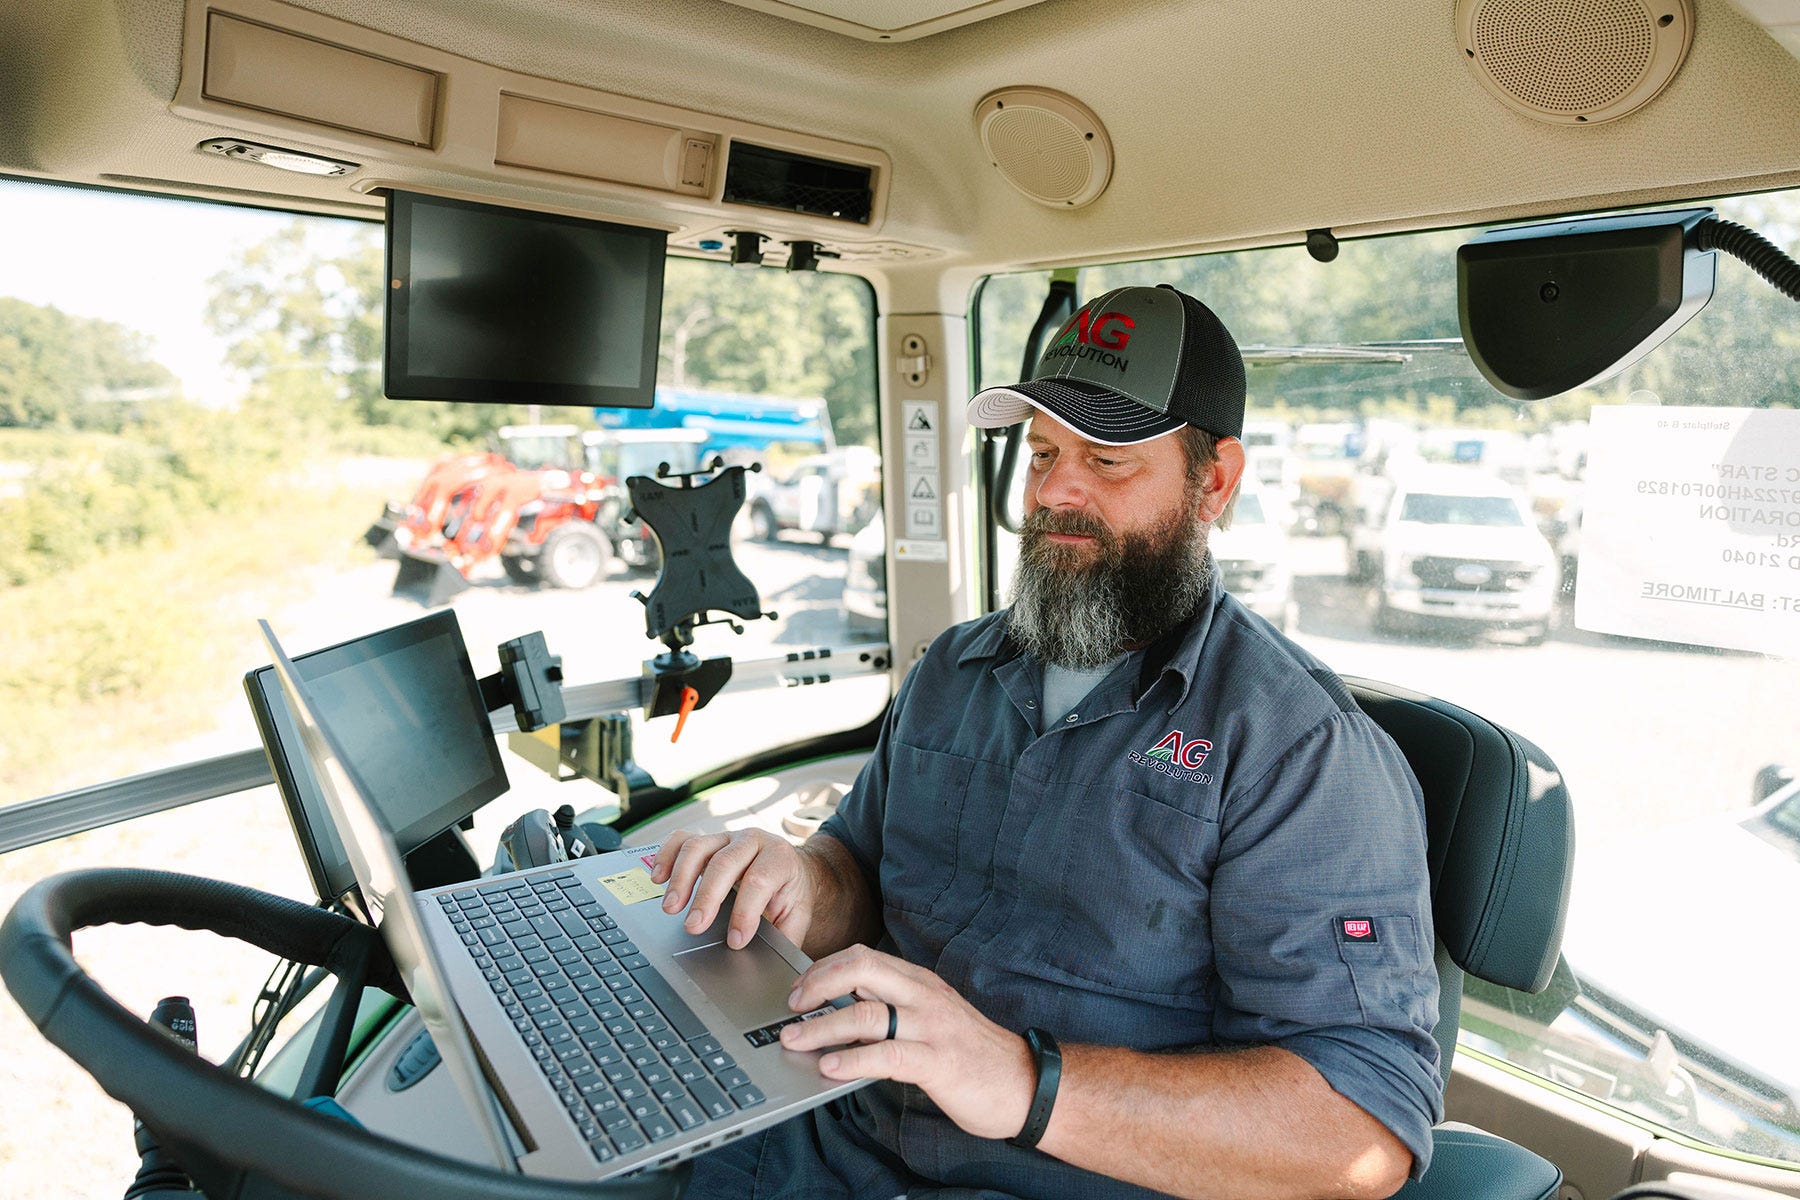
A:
(406, 706)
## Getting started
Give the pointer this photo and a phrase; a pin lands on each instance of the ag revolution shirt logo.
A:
(1096, 337)
(1178, 756)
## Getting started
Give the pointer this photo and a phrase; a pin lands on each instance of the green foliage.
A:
(68, 372)
(88, 496)
(770, 332)
(301, 313)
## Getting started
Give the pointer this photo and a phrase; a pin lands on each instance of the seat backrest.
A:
(1500, 841)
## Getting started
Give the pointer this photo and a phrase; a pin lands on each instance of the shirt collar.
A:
(990, 641)
(1177, 652)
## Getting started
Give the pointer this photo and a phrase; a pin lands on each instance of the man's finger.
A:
(901, 1060)
(667, 853)
(755, 889)
(864, 1021)
(864, 971)
(689, 862)
(722, 871)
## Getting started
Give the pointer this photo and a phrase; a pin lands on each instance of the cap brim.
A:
(1097, 414)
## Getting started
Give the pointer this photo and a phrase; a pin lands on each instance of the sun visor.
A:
(1548, 308)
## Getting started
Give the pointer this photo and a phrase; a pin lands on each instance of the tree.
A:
(303, 319)
(771, 332)
(58, 370)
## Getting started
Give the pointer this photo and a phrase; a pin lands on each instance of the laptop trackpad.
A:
(750, 986)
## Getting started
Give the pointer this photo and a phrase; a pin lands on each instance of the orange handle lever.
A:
(689, 698)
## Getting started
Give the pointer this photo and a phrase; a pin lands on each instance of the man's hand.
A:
(772, 879)
(980, 1074)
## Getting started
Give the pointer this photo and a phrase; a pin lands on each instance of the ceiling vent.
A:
(1574, 62)
(1048, 146)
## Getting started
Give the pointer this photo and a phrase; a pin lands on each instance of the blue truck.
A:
(733, 421)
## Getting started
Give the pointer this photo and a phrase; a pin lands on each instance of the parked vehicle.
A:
(552, 525)
(564, 528)
(826, 494)
(737, 424)
(1456, 548)
(1254, 560)
(419, 523)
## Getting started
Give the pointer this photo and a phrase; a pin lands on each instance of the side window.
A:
(193, 435)
(1407, 523)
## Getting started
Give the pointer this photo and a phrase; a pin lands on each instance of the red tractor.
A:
(546, 523)
(419, 524)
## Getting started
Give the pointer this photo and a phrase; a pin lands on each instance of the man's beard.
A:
(1080, 606)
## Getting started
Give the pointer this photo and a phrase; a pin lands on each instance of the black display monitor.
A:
(407, 709)
(509, 306)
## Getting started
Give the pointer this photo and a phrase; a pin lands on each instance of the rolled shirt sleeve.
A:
(1321, 920)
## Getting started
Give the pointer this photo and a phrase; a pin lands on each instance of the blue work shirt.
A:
(1214, 849)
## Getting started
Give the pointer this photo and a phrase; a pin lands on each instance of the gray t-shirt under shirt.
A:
(1065, 688)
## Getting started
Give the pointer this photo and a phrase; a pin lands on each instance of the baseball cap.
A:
(1132, 364)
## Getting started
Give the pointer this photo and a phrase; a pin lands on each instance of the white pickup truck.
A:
(1454, 547)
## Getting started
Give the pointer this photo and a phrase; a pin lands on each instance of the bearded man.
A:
(1132, 895)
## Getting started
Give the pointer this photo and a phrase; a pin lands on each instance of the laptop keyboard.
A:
(630, 1060)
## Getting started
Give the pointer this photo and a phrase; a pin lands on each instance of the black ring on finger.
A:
(893, 1023)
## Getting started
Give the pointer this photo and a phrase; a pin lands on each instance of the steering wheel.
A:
(233, 1138)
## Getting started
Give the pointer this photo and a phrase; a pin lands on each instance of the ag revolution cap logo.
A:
(1096, 337)
(1178, 756)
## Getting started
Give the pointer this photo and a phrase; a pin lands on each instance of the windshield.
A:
(1428, 508)
(193, 435)
(1670, 1007)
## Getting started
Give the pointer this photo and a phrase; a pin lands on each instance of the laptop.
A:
(588, 1032)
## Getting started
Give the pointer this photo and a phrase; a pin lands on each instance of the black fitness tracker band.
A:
(1047, 1056)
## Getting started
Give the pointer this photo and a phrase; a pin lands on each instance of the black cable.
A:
(286, 986)
(279, 997)
(1758, 252)
(1059, 305)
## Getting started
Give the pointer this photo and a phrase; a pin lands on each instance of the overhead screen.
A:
(507, 306)
(406, 707)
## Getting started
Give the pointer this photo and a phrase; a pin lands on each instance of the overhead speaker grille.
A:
(1048, 146)
(1575, 62)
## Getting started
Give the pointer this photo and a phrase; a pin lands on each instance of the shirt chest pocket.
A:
(1133, 891)
(927, 792)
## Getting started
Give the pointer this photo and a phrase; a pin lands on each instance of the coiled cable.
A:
(1758, 252)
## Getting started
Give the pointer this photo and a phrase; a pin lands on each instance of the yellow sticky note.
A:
(632, 886)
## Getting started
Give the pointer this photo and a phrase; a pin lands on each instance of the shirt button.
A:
(1072, 718)
(1031, 704)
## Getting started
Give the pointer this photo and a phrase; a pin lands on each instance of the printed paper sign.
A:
(1690, 527)
(632, 886)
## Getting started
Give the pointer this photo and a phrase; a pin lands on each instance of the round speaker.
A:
(1575, 62)
(1048, 146)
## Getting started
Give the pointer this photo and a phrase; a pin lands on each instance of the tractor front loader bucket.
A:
(428, 579)
(380, 535)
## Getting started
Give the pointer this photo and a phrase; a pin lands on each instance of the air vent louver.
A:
(780, 179)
